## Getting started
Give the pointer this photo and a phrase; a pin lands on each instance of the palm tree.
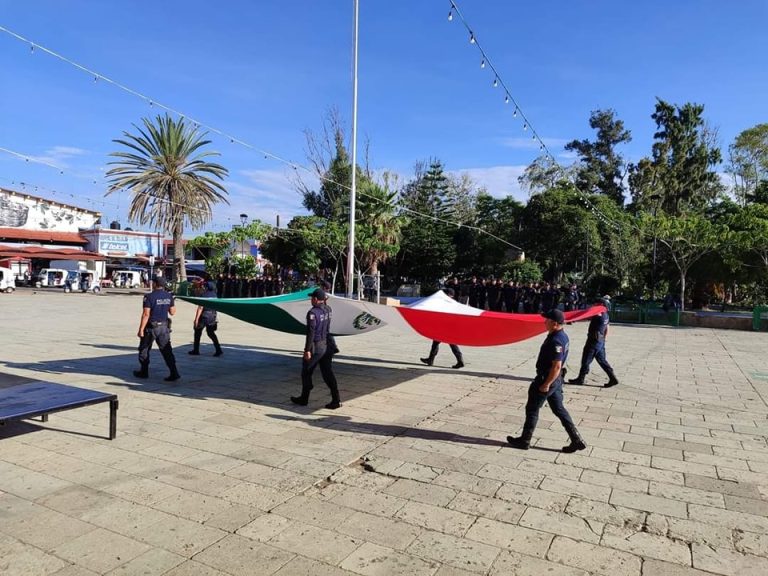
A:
(171, 182)
(380, 228)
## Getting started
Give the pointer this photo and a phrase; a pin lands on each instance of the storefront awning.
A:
(42, 236)
(47, 253)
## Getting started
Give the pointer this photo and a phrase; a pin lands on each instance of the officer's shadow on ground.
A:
(249, 374)
(346, 424)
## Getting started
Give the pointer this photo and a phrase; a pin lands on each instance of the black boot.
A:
(300, 400)
(172, 377)
(520, 443)
(579, 380)
(427, 361)
(141, 373)
(194, 352)
(459, 364)
(612, 381)
(218, 352)
(577, 442)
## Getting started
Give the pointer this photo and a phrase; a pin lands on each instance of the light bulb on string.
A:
(495, 82)
(525, 126)
(450, 14)
(506, 99)
(471, 38)
(514, 114)
(482, 63)
(31, 48)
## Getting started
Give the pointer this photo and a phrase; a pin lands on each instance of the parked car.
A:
(7, 281)
(51, 277)
(82, 281)
(127, 279)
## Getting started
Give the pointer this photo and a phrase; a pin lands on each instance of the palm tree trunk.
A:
(178, 252)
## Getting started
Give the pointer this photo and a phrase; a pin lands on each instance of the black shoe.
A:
(299, 400)
(610, 383)
(193, 353)
(574, 446)
(577, 381)
(427, 361)
(218, 352)
(140, 374)
(518, 443)
(172, 377)
(333, 405)
(458, 364)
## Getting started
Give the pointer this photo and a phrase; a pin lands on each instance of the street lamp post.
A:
(655, 198)
(243, 220)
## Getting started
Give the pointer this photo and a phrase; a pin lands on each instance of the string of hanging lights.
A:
(97, 76)
(517, 111)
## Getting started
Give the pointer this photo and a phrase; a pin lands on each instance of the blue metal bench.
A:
(42, 398)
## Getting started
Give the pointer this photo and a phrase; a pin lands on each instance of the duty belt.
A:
(160, 323)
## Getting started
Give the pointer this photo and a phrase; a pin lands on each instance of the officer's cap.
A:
(318, 293)
(159, 281)
(555, 315)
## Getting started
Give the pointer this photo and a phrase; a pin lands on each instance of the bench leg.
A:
(112, 419)
(44, 418)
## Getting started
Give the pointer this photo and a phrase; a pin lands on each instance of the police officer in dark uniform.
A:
(548, 386)
(155, 326)
(205, 318)
(429, 360)
(594, 347)
(316, 352)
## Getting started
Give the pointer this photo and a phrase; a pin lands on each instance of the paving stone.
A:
(313, 511)
(373, 560)
(317, 543)
(74, 570)
(652, 450)
(238, 556)
(653, 567)
(574, 488)
(420, 492)
(522, 565)
(493, 508)
(645, 544)
(192, 568)
(256, 495)
(511, 475)
(264, 527)
(685, 446)
(751, 543)
(531, 496)
(734, 520)
(382, 531)
(649, 503)
(377, 503)
(625, 483)
(181, 536)
(605, 513)
(728, 562)
(100, 550)
(43, 528)
(300, 566)
(562, 524)
(517, 538)
(665, 476)
(155, 561)
(689, 530)
(19, 559)
(436, 518)
(603, 561)
(684, 494)
(749, 505)
(461, 553)
(723, 486)
(619, 456)
(467, 482)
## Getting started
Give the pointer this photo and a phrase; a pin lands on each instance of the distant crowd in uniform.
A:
(516, 297)
(234, 286)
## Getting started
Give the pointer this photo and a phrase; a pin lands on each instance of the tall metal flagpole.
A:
(351, 243)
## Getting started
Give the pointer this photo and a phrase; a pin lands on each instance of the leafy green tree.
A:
(749, 164)
(680, 168)
(379, 226)
(172, 183)
(427, 251)
(543, 174)
(687, 239)
(601, 169)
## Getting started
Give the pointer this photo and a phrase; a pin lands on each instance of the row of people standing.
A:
(234, 286)
(515, 297)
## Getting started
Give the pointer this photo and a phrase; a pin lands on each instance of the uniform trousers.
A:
(322, 357)
(210, 330)
(595, 350)
(554, 397)
(156, 333)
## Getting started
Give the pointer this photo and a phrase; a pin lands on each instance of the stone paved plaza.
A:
(218, 474)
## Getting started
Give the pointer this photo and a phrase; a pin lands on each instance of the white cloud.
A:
(499, 181)
(262, 194)
(58, 156)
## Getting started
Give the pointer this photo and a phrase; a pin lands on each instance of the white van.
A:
(51, 277)
(7, 280)
(127, 279)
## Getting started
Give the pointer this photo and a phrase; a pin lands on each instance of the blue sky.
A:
(265, 71)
